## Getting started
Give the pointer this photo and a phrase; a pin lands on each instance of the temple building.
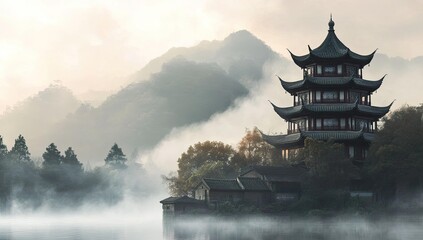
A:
(332, 101)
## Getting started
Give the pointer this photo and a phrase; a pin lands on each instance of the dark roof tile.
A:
(253, 184)
(221, 184)
(183, 199)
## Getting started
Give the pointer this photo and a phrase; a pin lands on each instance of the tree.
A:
(396, 154)
(70, 159)
(329, 167)
(253, 150)
(51, 156)
(19, 151)
(5, 186)
(115, 157)
(206, 159)
(3, 150)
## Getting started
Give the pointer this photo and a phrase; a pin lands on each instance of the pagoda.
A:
(332, 101)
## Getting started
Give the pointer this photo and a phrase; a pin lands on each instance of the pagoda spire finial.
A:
(331, 23)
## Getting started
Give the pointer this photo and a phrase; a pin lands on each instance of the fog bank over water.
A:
(147, 224)
(346, 227)
(130, 219)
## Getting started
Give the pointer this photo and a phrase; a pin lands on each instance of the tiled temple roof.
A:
(289, 113)
(331, 49)
(324, 82)
(297, 139)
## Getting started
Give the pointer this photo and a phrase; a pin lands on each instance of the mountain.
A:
(181, 87)
(35, 116)
(241, 54)
(138, 116)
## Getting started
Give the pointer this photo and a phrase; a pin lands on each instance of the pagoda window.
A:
(303, 97)
(296, 102)
(319, 69)
(318, 123)
(339, 68)
(310, 71)
(342, 123)
(318, 99)
(302, 124)
(363, 99)
(351, 70)
(362, 124)
(354, 96)
(330, 123)
(330, 95)
(329, 69)
(341, 96)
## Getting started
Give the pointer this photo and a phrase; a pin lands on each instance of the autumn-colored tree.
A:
(203, 159)
(253, 150)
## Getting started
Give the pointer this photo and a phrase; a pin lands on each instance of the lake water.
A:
(124, 225)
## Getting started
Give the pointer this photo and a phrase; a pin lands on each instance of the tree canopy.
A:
(51, 156)
(253, 150)
(115, 157)
(206, 159)
(396, 154)
(215, 159)
(70, 159)
(3, 150)
(20, 151)
(329, 167)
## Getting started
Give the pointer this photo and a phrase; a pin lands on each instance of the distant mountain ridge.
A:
(241, 53)
(181, 87)
(36, 115)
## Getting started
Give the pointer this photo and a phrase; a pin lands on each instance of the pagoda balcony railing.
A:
(297, 103)
(330, 128)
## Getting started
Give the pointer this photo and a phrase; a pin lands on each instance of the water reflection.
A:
(271, 228)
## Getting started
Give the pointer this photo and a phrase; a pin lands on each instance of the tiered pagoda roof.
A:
(332, 101)
(325, 82)
(289, 113)
(332, 49)
(290, 140)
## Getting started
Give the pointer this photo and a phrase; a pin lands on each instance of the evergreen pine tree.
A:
(51, 156)
(3, 150)
(115, 156)
(20, 151)
(71, 159)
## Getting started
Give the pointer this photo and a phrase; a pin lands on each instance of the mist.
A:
(256, 111)
(97, 45)
(157, 77)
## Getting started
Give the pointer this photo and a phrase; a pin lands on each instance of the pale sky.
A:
(95, 45)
